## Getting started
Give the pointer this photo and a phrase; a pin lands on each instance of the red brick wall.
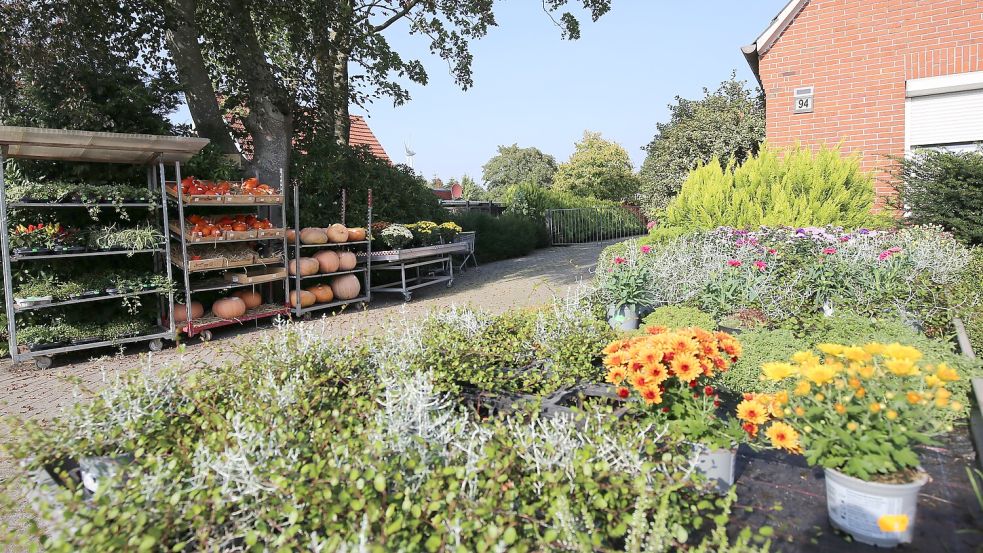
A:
(858, 54)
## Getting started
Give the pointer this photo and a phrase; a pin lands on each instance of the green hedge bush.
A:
(506, 236)
(679, 316)
(796, 188)
(945, 189)
(533, 201)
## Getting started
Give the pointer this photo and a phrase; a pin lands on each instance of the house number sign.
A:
(803, 100)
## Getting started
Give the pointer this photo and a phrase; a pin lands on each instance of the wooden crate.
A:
(239, 199)
(234, 263)
(268, 198)
(268, 260)
(195, 239)
(256, 276)
(239, 234)
(271, 232)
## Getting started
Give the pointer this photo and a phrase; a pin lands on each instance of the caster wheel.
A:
(305, 317)
(156, 345)
(43, 362)
(206, 335)
(450, 283)
(407, 296)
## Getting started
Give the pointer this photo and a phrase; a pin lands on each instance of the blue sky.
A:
(534, 89)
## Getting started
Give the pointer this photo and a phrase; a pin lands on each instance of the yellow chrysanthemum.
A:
(616, 375)
(893, 523)
(802, 388)
(805, 357)
(656, 373)
(616, 359)
(613, 347)
(946, 373)
(819, 374)
(852, 426)
(752, 411)
(942, 397)
(686, 367)
(778, 370)
(784, 436)
(651, 395)
(901, 367)
(839, 408)
(899, 351)
(782, 397)
(933, 381)
(857, 354)
(913, 398)
(874, 348)
(867, 371)
(831, 349)
(891, 414)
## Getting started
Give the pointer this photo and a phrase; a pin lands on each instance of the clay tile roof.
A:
(361, 135)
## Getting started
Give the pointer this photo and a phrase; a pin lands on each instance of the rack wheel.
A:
(407, 296)
(305, 317)
(156, 345)
(43, 362)
(450, 283)
(206, 335)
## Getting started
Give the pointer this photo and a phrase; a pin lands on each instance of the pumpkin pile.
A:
(232, 307)
(216, 226)
(334, 234)
(192, 186)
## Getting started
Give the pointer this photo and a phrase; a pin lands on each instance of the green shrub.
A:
(760, 346)
(967, 294)
(533, 201)
(503, 237)
(326, 168)
(797, 188)
(945, 189)
(679, 316)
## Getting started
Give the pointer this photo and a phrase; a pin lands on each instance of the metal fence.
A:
(593, 224)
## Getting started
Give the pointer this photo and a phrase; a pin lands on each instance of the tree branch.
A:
(407, 7)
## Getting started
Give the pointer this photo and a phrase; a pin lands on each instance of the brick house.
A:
(879, 77)
(361, 135)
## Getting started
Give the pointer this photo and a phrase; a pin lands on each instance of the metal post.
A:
(549, 225)
(368, 252)
(184, 247)
(167, 245)
(283, 218)
(8, 284)
(296, 259)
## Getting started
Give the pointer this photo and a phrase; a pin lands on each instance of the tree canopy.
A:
(727, 123)
(470, 190)
(598, 168)
(514, 165)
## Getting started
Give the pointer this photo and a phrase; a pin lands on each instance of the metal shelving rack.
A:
(90, 147)
(363, 267)
(204, 325)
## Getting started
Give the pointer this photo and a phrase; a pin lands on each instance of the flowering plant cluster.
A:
(674, 371)
(447, 231)
(425, 233)
(37, 236)
(396, 237)
(627, 279)
(858, 409)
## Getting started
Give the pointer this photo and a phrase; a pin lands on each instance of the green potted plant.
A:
(673, 375)
(34, 239)
(859, 412)
(625, 287)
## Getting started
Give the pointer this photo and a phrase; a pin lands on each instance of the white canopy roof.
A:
(100, 147)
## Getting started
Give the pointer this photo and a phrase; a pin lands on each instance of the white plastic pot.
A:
(717, 465)
(624, 317)
(855, 506)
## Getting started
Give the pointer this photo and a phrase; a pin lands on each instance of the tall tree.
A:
(598, 168)
(288, 70)
(727, 123)
(514, 165)
(470, 190)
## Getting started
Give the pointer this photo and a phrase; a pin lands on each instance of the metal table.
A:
(418, 267)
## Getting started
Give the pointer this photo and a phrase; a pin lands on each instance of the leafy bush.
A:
(798, 188)
(532, 201)
(679, 316)
(326, 168)
(945, 189)
(311, 445)
(760, 346)
(503, 237)
(967, 296)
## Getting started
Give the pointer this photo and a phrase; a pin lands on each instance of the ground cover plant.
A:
(336, 446)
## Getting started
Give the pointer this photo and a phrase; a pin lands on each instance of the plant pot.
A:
(92, 293)
(855, 505)
(624, 317)
(49, 345)
(717, 465)
(33, 300)
(94, 469)
(83, 341)
(732, 330)
(32, 251)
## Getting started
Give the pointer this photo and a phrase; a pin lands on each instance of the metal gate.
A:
(593, 224)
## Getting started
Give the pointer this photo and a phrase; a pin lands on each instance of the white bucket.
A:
(855, 506)
(717, 465)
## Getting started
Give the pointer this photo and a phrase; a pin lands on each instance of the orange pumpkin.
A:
(229, 308)
(346, 287)
(308, 266)
(181, 312)
(322, 293)
(337, 233)
(249, 297)
(291, 236)
(327, 261)
(307, 299)
(346, 261)
(356, 234)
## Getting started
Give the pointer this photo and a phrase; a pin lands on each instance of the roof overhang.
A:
(97, 147)
(752, 52)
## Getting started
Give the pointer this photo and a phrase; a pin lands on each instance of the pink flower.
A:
(888, 253)
(760, 265)
(844, 238)
(829, 251)
(772, 251)
(619, 260)
(734, 263)
(649, 225)
(646, 249)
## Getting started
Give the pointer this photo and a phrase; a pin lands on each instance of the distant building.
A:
(879, 76)
(455, 192)
(361, 135)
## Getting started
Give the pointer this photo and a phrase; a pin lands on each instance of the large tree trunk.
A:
(272, 133)
(181, 36)
(340, 84)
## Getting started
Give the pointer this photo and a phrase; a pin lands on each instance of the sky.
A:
(535, 89)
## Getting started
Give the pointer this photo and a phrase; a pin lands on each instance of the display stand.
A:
(269, 271)
(418, 267)
(90, 147)
(362, 268)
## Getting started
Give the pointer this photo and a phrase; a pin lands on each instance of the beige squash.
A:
(346, 287)
(346, 261)
(327, 261)
(313, 235)
(337, 233)
(308, 266)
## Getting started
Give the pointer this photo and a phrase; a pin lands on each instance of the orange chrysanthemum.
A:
(686, 367)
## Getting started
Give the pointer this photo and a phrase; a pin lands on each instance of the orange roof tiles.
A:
(361, 135)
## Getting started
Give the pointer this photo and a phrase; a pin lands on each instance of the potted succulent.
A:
(624, 286)
(859, 412)
(672, 374)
